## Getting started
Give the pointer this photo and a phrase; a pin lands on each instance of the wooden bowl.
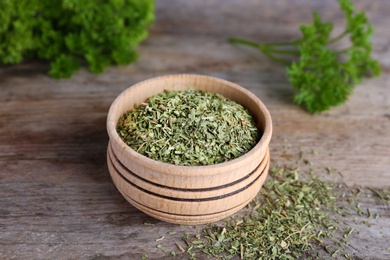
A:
(187, 194)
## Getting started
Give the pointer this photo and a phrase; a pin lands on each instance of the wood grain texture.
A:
(57, 199)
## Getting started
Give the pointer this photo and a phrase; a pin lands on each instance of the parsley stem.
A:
(274, 58)
(243, 41)
(265, 48)
(337, 38)
(292, 43)
(288, 52)
(255, 44)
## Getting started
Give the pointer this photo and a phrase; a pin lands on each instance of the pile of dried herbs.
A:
(296, 215)
(288, 215)
(189, 128)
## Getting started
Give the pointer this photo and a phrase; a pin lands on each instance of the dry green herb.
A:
(293, 216)
(347, 234)
(189, 128)
(296, 215)
(160, 238)
(287, 217)
(383, 194)
(180, 247)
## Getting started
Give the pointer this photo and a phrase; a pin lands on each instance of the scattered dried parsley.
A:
(189, 128)
(383, 194)
(287, 217)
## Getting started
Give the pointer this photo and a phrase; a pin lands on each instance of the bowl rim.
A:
(173, 169)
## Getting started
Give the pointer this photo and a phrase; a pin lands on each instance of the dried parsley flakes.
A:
(189, 128)
(285, 219)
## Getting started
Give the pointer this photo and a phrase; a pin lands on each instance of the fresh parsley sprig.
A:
(72, 33)
(322, 75)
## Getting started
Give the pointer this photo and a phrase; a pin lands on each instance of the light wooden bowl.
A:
(187, 194)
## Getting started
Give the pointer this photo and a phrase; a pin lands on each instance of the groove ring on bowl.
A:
(188, 206)
(189, 219)
(153, 187)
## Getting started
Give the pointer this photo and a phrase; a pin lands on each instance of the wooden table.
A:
(56, 196)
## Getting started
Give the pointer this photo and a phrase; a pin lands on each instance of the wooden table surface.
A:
(56, 196)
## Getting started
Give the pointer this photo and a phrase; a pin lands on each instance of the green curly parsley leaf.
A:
(322, 76)
(71, 33)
